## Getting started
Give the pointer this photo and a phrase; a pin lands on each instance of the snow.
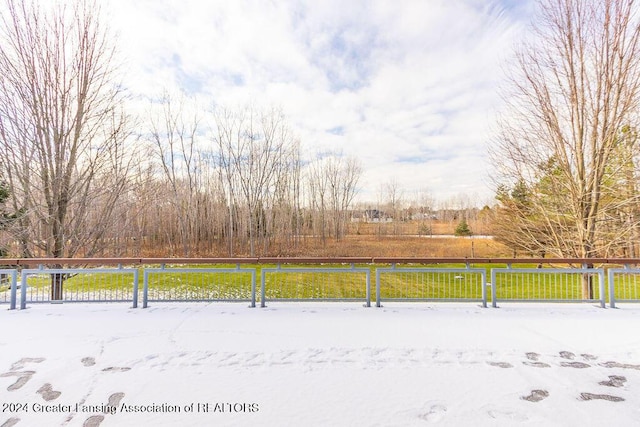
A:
(320, 364)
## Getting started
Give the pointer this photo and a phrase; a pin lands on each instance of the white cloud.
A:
(407, 86)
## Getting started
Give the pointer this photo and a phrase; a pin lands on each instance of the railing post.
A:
(14, 290)
(145, 289)
(135, 288)
(263, 292)
(612, 299)
(378, 288)
(601, 287)
(484, 289)
(253, 286)
(494, 291)
(23, 290)
(368, 273)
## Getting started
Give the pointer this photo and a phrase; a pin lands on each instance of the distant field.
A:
(361, 245)
(426, 227)
(363, 239)
(406, 246)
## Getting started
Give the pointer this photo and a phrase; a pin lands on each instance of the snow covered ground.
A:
(320, 364)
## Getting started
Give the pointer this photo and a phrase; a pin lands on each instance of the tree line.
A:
(82, 177)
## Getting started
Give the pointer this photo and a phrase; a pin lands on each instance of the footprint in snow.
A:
(567, 355)
(501, 364)
(537, 364)
(116, 369)
(88, 361)
(592, 396)
(20, 363)
(579, 365)
(536, 396)
(10, 422)
(614, 381)
(620, 365)
(115, 399)
(93, 421)
(23, 377)
(435, 414)
(48, 393)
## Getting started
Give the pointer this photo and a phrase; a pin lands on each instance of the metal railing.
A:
(8, 287)
(319, 279)
(319, 284)
(431, 284)
(624, 285)
(79, 285)
(547, 285)
(199, 284)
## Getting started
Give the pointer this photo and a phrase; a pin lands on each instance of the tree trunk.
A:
(587, 284)
(57, 285)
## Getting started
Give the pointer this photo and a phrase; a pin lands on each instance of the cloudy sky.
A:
(407, 86)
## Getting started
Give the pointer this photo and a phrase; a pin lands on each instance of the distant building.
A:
(376, 215)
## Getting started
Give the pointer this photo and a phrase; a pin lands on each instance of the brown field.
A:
(414, 228)
(364, 246)
(410, 239)
(365, 240)
(401, 246)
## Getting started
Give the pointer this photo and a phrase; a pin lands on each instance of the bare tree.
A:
(252, 152)
(62, 129)
(393, 195)
(574, 89)
(174, 134)
(343, 174)
(317, 184)
(284, 221)
(422, 208)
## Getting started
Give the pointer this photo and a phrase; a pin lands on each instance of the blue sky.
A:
(409, 87)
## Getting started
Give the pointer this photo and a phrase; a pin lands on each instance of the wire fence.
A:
(332, 279)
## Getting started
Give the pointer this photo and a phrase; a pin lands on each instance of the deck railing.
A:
(599, 281)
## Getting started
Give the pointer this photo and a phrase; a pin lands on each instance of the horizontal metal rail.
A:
(432, 284)
(318, 289)
(199, 284)
(10, 262)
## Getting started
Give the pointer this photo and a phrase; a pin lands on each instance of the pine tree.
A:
(463, 229)
(4, 217)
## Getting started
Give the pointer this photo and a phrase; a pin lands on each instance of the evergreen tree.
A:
(463, 229)
(4, 217)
